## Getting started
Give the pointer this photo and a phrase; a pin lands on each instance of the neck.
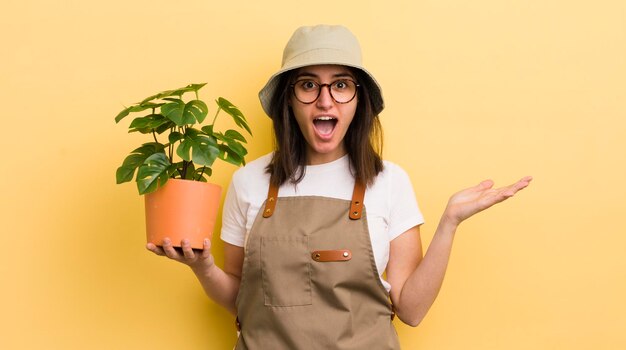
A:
(315, 158)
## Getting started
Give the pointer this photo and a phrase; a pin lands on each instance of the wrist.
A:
(448, 224)
(203, 268)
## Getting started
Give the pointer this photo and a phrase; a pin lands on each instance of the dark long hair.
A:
(363, 139)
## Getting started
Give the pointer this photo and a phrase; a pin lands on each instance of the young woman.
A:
(310, 228)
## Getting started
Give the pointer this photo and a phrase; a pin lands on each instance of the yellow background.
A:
(474, 89)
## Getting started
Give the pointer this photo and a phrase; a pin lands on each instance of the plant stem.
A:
(201, 173)
(171, 149)
(216, 113)
(153, 132)
(184, 173)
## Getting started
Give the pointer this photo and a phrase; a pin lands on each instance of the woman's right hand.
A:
(197, 260)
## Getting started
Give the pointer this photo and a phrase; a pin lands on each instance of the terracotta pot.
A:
(182, 209)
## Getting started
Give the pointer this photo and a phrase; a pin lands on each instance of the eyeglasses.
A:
(308, 91)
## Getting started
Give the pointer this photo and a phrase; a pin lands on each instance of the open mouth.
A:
(325, 125)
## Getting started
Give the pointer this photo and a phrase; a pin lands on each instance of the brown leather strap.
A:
(331, 255)
(356, 207)
(270, 203)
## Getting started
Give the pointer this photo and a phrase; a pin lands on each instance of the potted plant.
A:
(180, 203)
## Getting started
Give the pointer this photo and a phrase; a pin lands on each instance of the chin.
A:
(326, 148)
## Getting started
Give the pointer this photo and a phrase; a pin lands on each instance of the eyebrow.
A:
(312, 75)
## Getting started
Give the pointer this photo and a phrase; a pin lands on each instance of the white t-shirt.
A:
(390, 202)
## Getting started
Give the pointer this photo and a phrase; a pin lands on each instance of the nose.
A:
(325, 100)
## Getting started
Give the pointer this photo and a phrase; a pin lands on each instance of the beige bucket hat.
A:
(322, 44)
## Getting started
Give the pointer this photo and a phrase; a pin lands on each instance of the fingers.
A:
(187, 251)
(510, 190)
(169, 250)
(484, 185)
(188, 255)
(155, 249)
(206, 251)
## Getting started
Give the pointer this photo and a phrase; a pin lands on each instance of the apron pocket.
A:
(286, 271)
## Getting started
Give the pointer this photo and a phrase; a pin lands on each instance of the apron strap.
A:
(356, 206)
(270, 203)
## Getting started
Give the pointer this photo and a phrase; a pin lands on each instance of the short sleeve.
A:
(404, 212)
(233, 218)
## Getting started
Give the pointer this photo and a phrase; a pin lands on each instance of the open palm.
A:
(470, 201)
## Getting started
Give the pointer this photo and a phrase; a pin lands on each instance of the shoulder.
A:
(392, 168)
(253, 169)
(252, 177)
(392, 174)
(391, 185)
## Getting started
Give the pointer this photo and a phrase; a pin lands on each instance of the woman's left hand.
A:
(470, 201)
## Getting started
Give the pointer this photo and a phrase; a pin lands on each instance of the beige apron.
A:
(309, 278)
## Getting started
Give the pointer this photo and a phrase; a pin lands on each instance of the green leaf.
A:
(238, 152)
(238, 148)
(190, 172)
(140, 108)
(152, 105)
(160, 129)
(174, 112)
(175, 170)
(220, 136)
(146, 102)
(140, 122)
(136, 108)
(188, 88)
(205, 170)
(147, 122)
(201, 174)
(160, 95)
(203, 148)
(196, 87)
(234, 112)
(137, 157)
(122, 114)
(227, 154)
(160, 120)
(176, 92)
(175, 136)
(150, 123)
(155, 96)
(208, 129)
(126, 173)
(153, 173)
(197, 109)
(235, 135)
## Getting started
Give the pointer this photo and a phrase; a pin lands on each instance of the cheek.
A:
(299, 115)
(350, 112)
(296, 108)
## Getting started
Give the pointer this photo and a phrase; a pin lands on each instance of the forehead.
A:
(324, 71)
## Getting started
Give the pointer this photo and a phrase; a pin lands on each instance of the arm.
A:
(220, 285)
(416, 281)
